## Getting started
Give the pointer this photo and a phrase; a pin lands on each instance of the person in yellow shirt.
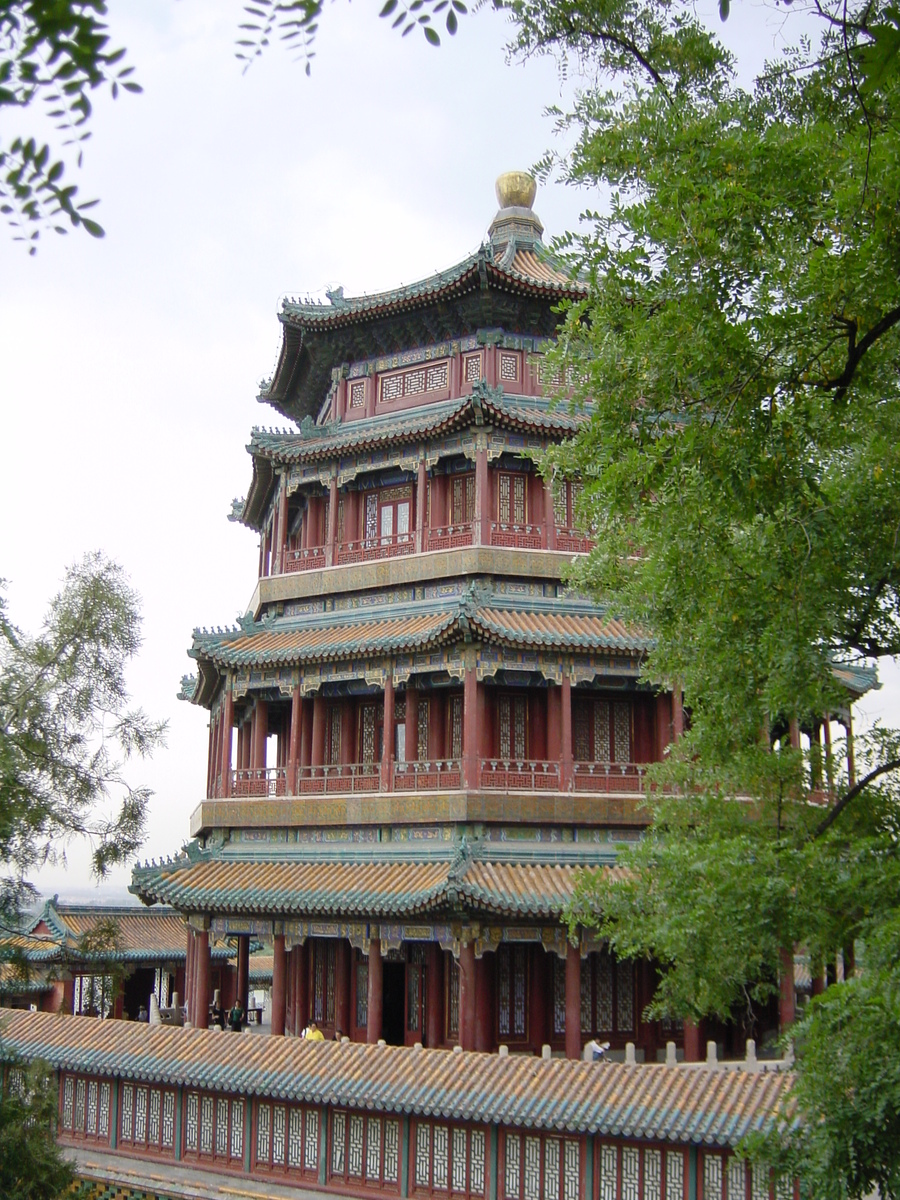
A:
(314, 1033)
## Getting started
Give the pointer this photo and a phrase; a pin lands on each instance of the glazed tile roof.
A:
(143, 935)
(686, 1104)
(361, 888)
(560, 623)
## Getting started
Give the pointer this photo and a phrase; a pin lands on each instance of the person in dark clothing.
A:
(236, 1017)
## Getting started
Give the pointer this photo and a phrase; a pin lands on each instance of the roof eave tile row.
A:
(683, 1105)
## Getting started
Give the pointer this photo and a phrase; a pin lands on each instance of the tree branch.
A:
(857, 350)
(891, 765)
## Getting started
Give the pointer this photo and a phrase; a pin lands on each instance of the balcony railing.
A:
(428, 776)
(522, 537)
(609, 777)
(573, 541)
(339, 778)
(369, 549)
(311, 558)
(514, 775)
(448, 537)
(259, 781)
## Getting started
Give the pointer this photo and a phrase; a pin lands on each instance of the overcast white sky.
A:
(129, 366)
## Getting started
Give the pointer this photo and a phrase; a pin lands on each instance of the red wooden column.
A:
(663, 724)
(677, 713)
(342, 986)
(331, 531)
(421, 505)
(294, 743)
(541, 992)
(279, 982)
(482, 500)
(281, 545)
(201, 1020)
(434, 995)
(375, 993)
(349, 753)
(467, 985)
(471, 716)
(188, 972)
(484, 1002)
(318, 731)
(786, 991)
(387, 754)
(693, 1031)
(258, 735)
(573, 1001)
(565, 748)
(243, 970)
(227, 726)
(548, 535)
(301, 988)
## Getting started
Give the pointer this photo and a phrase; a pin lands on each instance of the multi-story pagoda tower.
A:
(417, 736)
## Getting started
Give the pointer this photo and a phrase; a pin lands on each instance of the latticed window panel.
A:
(355, 1146)
(340, 521)
(311, 1146)
(511, 499)
(609, 1173)
(264, 1134)
(621, 732)
(371, 515)
(153, 1129)
(472, 368)
(373, 1148)
(365, 1149)
(631, 1162)
(462, 499)
(453, 999)
(237, 1128)
(391, 1172)
(103, 1116)
(587, 1002)
(644, 1173)
(604, 992)
(551, 1169)
(513, 712)
(207, 1123)
(295, 1138)
(532, 1172)
(338, 1143)
(191, 1122)
(509, 367)
(456, 726)
(90, 1124)
(140, 1114)
(330, 968)
(413, 997)
(625, 996)
(440, 1157)
(367, 739)
(358, 393)
(79, 1106)
(68, 1105)
(712, 1176)
(520, 976)
(422, 730)
(652, 1175)
(675, 1175)
(458, 1158)
(334, 735)
(422, 1173)
(571, 1176)
(760, 1179)
(85, 1104)
(127, 1123)
(542, 1167)
(221, 1127)
(601, 731)
(513, 1166)
(735, 1179)
(477, 1162)
(437, 377)
(279, 1136)
(581, 734)
(559, 995)
(430, 377)
(512, 989)
(362, 992)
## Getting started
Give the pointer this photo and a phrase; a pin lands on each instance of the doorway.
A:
(392, 1022)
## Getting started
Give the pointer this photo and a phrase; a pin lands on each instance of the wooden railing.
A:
(519, 775)
(522, 537)
(427, 776)
(369, 549)
(573, 541)
(609, 777)
(448, 537)
(338, 778)
(311, 558)
(259, 781)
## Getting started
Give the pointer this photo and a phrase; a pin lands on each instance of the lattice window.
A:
(453, 999)
(279, 1129)
(513, 1166)
(440, 1153)
(625, 995)
(206, 1124)
(509, 367)
(326, 513)
(191, 1125)
(621, 732)
(413, 997)
(472, 368)
(391, 1151)
(513, 711)
(339, 1137)
(609, 1173)
(604, 996)
(371, 515)
(311, 1149)
(551, 1169)
(330, 956)
(559, 995)
(391, 387)
(462, 499)
(362, 992)
(586, 997)
(221, 1126)
(340, 521)
(373, 1149)
(358, 393)
(561, 504)
(476, 1162)
(140, 1114)
(520, 973)
(437, 377)
(423, 1155)
(91, 1122)
(263, 1132)
(355, 1146)
(571, 1170)
(422, 730)
(631, 1158)
(712, 1176)
(456, 726)
(103, 1125)
(458, 1160)
(334, 735)
(237, 1128)
(581, 730)
(784, 1188)
(532, 1173)
(735, 1179)
(652, 1174)
(414, 383)
(295, 1138)
(511, 499)
(503, 990)
(760, 1178)
(68, 1102)
(675, 1176)
(79, 1106)
(601, 731)
(367, 748)
(155, 1106)
(512, 972)
(128, 1114)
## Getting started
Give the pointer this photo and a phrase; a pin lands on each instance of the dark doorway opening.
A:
(136, 991)
(392, 1029)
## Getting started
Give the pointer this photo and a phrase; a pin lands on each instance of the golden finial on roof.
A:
(516, 189)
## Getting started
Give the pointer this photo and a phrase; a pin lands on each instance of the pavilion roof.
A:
(485, 405)
(363, 886)
(516, 287)
(695, 1103)
(558, 623)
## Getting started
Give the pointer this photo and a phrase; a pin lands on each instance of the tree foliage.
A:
(737, 350)
(32, 1166)
(53, 55)
(67, 731)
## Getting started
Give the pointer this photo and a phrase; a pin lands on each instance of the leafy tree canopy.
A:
(32, 1166)
(67, 731)
(738, 349)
